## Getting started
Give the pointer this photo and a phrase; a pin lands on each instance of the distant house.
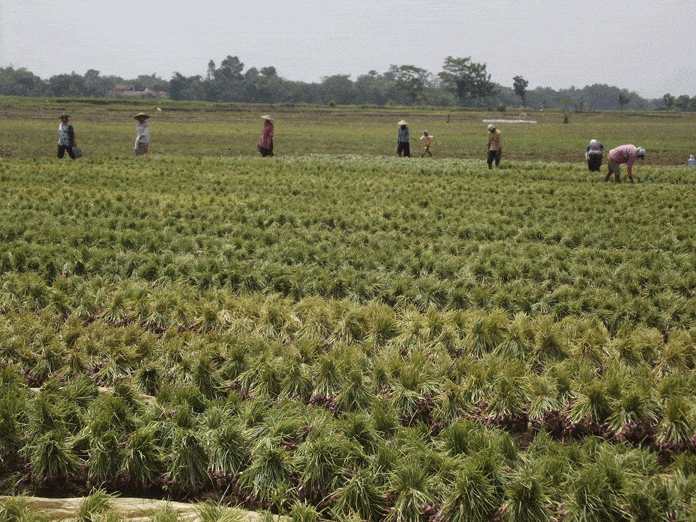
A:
(127, 91)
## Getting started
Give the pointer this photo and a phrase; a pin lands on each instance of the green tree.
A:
(97, 85)
(623, 99)
(410, 80)
(520, 86)
(668, 100)
(371, 88)
(468, 80)
(20, 82)
(67, 85)
(230, 69)
(338, 88)
(185, 88)
(683, 102)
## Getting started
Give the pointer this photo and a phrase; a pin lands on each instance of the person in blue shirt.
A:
(403, 140)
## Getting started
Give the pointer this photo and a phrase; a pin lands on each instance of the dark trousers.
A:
(266, 152)
(62, 149)
(594, 162)
(494, 155)
(403, 147)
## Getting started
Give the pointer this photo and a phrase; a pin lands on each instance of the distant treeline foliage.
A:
(460, 83)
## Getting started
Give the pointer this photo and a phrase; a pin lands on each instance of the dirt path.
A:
(131, 509)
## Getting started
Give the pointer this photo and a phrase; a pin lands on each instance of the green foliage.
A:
(189, 460)
(95, 506)
(211, 512)
(349, 337)
(19, 509)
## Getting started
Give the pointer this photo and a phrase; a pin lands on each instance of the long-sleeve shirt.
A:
(66, 135)
(495, 140)
(266, 141)
(404, 135)
(594, 148)
(625, 154)
(143, 132)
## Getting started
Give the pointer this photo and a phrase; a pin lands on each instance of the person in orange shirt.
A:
(427, 141)
(495, 146)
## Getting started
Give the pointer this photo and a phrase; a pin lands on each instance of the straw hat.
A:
(491, 128)
(267, 117)
(141, 115)
(402, 122)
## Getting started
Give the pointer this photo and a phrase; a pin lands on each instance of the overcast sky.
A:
(646, 46)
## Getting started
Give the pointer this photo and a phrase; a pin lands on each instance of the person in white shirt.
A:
(142, 139)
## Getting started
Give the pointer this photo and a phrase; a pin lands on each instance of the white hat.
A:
(640, 152)
(403, 122)
(267, 117)
(491, 127)
(592, 142)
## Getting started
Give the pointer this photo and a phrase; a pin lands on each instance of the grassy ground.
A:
(348, 336)
(28, 128)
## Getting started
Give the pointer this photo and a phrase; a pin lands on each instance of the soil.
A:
(131, 509)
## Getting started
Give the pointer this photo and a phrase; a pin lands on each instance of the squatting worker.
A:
(66, 137)
(266, 142)
(403, 140)
(142, 137)
(623, 154)
(495, 146)
(594, 153)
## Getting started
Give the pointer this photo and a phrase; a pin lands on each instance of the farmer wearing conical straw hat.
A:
(403, 140)
(266, 143)
(142, 138)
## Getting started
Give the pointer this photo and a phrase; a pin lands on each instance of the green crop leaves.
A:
(352, 338)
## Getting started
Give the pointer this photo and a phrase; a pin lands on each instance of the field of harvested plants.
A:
(348, 338)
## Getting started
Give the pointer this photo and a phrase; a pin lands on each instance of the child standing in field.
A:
(142, 138)
(427, 141)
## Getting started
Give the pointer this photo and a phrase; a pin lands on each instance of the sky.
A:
(645, 46)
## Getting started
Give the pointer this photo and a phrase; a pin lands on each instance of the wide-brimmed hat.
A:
(402, 122)
(267, 117)
(141, 115)
(491, 127)
(64, 115)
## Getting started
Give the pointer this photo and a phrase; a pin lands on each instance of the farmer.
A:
(66, 137)
(403, 140)
(495, 146)
(427, 141)
(266, 142)
(142, 138)
(623, 154)
(594, 153)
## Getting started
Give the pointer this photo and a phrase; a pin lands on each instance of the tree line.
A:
(462, 82)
